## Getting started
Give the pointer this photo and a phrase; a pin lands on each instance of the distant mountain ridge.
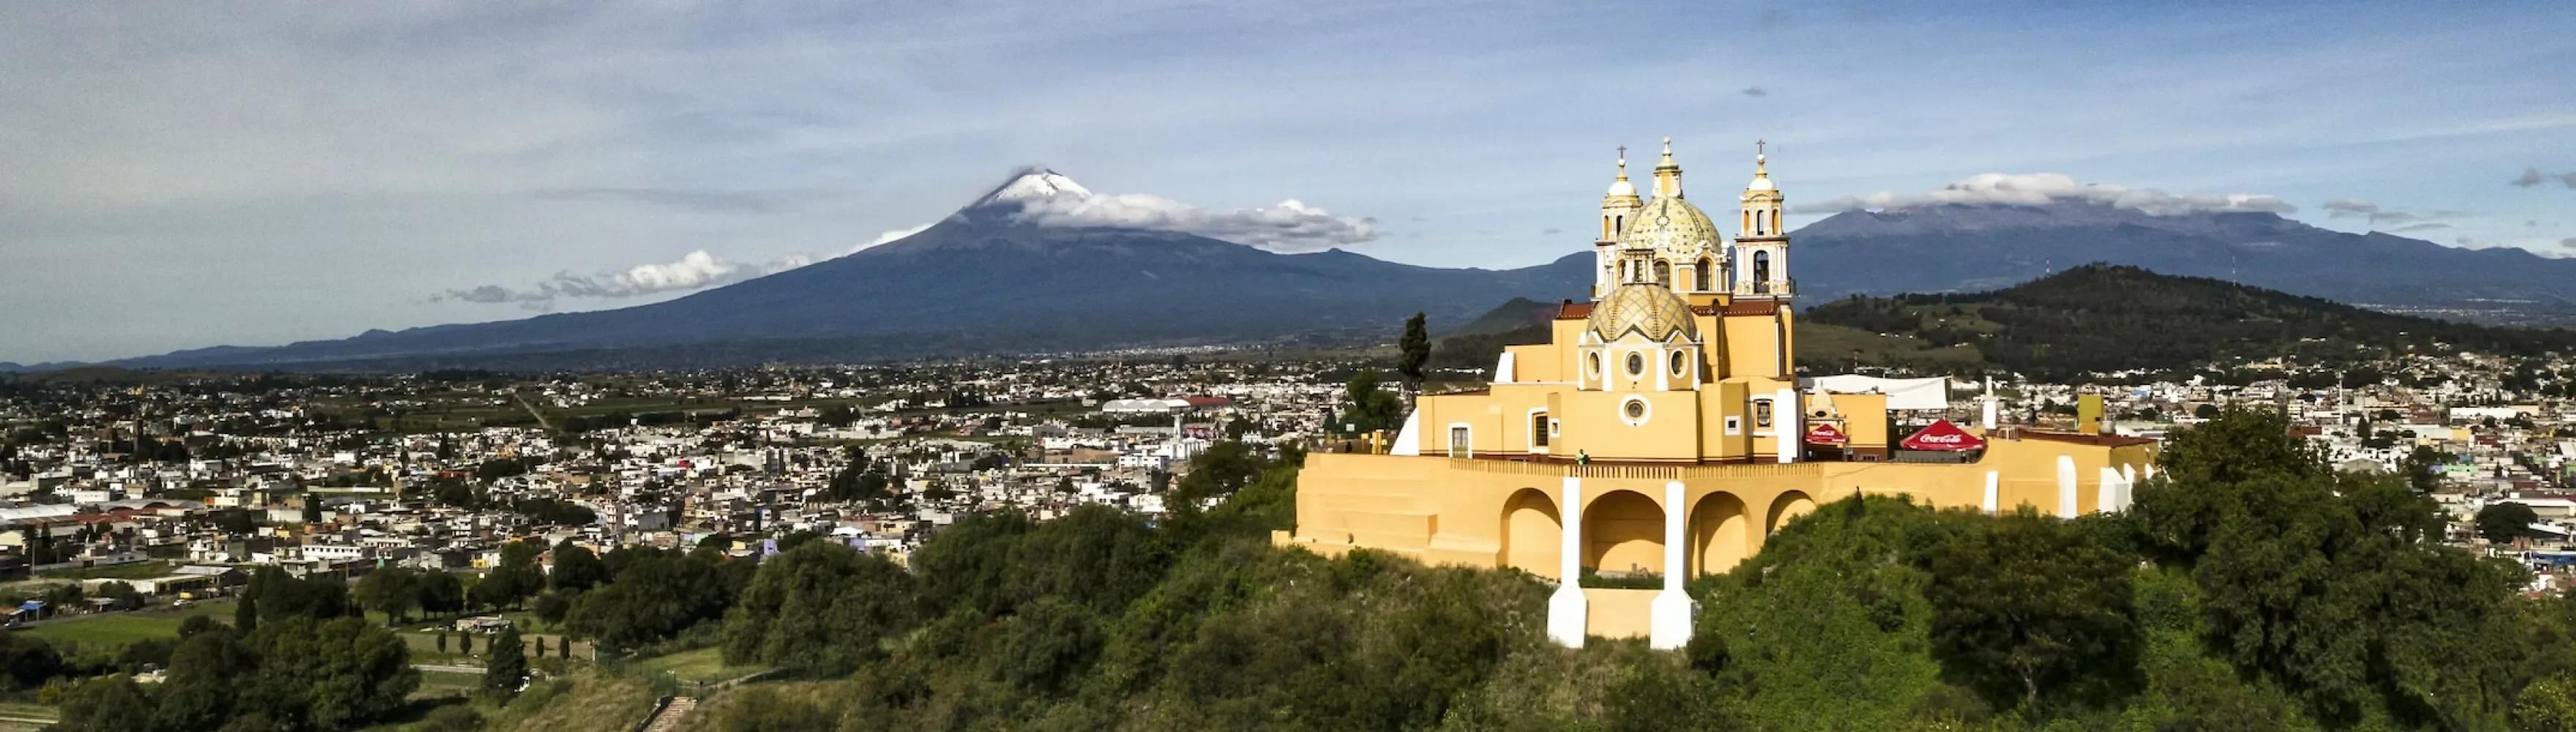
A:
(983, 280)
(1968, 248)
(990, 278)
(2101, 318)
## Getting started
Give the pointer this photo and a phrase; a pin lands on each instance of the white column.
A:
(2065, 486)
(1994, 492)
(1785, 418)
(1567, 611)
(1988, 420)
(1672, 609)
(2129, 473)
(2107, 496)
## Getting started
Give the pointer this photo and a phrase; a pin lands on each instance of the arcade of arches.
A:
(1623, 532)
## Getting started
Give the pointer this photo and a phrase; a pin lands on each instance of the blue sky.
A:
(189, 174)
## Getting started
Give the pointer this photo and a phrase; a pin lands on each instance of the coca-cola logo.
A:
(1943, 439)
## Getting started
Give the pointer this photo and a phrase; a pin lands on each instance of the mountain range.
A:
(994, 279)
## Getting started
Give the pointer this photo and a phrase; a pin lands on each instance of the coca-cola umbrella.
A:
(1825, 433)
(1942, 435)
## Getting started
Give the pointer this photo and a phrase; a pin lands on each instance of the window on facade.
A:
(1681, 363)
(1538, 430)
(1636, 364)
(1636, 409)
(1762, 272)
(1592, 364)
(1761, 222)
(1762, 414)
(1700, 277)
(1459, 446)
(1663, 273)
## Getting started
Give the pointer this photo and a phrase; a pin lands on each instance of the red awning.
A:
(1825, 433)
(1942, 435)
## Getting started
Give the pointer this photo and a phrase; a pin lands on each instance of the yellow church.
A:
(1664, 431)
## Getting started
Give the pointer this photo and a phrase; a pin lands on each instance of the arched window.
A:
(1762, 272)
(1701, 276)
(1663, 273)
(1761, 222)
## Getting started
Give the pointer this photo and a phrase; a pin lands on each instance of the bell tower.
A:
(1761, 265)
(1618, 207)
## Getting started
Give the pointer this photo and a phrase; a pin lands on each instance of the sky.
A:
(189, 174)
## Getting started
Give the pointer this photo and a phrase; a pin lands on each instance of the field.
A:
(130, 571)
(1840, 344)
(119, 629)
(704, 665)
(23, 717)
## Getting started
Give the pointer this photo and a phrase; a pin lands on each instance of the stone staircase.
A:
(667, 717)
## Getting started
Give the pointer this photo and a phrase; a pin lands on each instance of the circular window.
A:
(1633, 411)
(1681, 363)
(1636, 364)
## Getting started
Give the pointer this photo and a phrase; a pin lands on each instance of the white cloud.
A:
(693, 271)
(890, 237)
(2032, 189)
(1290, 226)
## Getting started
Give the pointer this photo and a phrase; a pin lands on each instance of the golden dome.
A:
(1649, 309)
(1673, 227)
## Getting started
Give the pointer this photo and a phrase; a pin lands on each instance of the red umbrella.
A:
(1942, 435)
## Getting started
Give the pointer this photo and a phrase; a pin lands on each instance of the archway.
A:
(1623, 531)
(1789, 505)
(1719, 533)
(1532, 533)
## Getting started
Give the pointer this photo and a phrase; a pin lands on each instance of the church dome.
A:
(1649, 309)
(1672, 226)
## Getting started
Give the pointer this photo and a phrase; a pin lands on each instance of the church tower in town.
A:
(1762, 242)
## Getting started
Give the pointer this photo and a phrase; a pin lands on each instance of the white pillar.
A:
(1672, 608)
(1786, 416)
(1567, 611)
(2107, 496)
(1994, 492)
(2065, 486)
(1988, 420)
(2129, 473)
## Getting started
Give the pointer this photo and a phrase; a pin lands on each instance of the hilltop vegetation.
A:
(2252, 588)
(2102, 318)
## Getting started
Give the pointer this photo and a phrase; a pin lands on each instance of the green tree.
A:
(1372, 408)
(505, 665)
(1217, 472)
(1414, 351)
(516, 578)
(820, 607)
(2026, 607)
(441, 593)
(393, 591)
(106, 704)
(576, 568)
(653, 599)
(2547, 705)
(2502, 523)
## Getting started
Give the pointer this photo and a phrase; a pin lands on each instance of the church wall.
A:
(1752, 346)
(1594, 424)
(1717, 402)
(1538, 363)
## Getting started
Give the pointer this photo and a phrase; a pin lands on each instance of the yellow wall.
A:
(1490, 513)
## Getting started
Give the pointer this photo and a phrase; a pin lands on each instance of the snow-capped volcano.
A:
(1034, 183)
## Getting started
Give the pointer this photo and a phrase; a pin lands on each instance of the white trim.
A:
(1526, 420)
(1454, 449)
(1734, 425)
(1642, 416)
(1409, 440)
(1503, 367)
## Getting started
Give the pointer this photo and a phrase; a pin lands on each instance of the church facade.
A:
(1663, 431)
